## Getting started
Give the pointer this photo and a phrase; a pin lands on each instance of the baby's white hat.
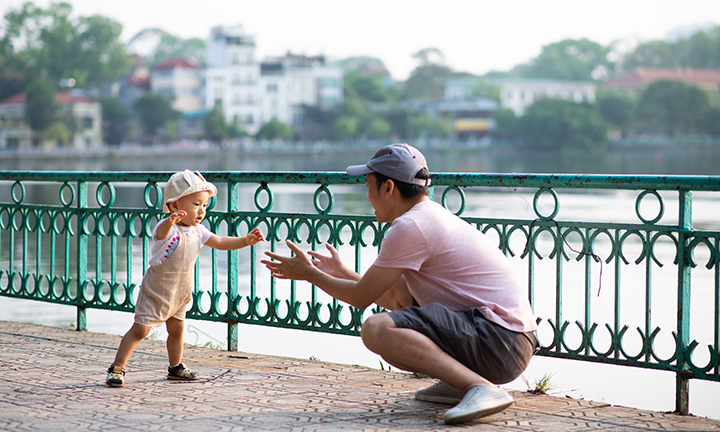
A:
(185, 183)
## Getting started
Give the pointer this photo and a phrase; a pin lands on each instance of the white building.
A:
(288, 83)
(81, 115)
(181, 82)
(232, 76)
(518, 94)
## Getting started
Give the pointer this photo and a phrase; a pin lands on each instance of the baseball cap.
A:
(185, 183)
(400, 162)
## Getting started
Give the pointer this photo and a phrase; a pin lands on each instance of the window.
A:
(271, 88)
(235, 59)
(87, 122)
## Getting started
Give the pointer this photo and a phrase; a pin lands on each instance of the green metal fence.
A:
(83, 239)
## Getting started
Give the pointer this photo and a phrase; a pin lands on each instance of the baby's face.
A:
(195, 205)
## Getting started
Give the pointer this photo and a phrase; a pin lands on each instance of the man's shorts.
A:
(492, 351)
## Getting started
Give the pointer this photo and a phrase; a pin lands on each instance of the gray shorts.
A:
(492, 351)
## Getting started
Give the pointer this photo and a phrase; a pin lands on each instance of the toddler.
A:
(167, 286)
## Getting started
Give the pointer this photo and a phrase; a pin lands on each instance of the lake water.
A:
(613, 384)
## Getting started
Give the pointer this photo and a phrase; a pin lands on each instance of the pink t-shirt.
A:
(449, 262)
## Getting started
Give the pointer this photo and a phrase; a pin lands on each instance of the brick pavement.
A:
(53, 379)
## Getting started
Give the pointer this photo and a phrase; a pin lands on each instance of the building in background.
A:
(81, 115)
(181, 82)
(291, 82)
(232, 77)
(518, 94)
(635, 81)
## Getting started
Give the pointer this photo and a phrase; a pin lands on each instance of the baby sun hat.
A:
(185, 183)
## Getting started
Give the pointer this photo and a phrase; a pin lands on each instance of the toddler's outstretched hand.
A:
(176, 217)
(254, 237)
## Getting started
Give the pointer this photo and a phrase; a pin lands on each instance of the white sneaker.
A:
(479, 402)
(440, 392)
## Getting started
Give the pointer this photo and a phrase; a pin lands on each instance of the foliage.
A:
(701, 50)
(214, 124)
(712, 121)
(366, 88)
(427, 82)
(345, 127)
(115, 118)
(275, 129)
(49, 41)
(170, 47)
(359, 63)
(569, 59)
(672, 108)
(483, 88)
(618, 109)
(154, 112)
(563, 125)
(40, 106)
(541, 385)
(58, 132)
(508, 124)
(377, 128)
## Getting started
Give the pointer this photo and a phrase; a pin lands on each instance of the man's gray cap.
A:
(398, 161)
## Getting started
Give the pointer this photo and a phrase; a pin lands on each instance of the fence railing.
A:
(83, 239)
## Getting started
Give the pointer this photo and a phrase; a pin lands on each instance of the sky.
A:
(475, 36)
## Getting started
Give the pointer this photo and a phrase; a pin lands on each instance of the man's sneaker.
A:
(115, 376)
(181, 372)
(479, 402)
(440, 392)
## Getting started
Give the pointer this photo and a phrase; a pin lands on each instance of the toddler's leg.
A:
(176, 330)
(131, 339)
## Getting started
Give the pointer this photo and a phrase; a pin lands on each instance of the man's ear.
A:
(389, 187)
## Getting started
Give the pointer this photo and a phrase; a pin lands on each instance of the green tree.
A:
(214, 124)
(154, 112)
(508, 124)
(345, 127)
(359, 63)
(672, 108)
(427, 82)
(562, 125)
(40, 106)
(171, 46)
(712, 122)
(275, 129)
(58, 132)
(650, 54)
(483, 88)
(618, 109)
(377, 128)
(367, 88)
(115, 117)
(86, 49)
(569, 59)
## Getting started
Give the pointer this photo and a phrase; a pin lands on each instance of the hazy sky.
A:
(475, 35)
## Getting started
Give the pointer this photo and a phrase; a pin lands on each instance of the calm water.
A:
(613, 384)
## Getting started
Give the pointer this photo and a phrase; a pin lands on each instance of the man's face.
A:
(375, 196)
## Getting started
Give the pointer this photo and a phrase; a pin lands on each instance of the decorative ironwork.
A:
(85, 249)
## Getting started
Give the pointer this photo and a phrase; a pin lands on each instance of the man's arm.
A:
(361, 294)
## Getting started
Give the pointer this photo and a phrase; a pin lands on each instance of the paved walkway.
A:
(53, 379)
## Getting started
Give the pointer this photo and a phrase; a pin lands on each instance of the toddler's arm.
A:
(163, 228)
(231, 243)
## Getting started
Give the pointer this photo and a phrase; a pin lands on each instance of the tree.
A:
(367, 88)
(214, 124)
(427, 82)
(650, 54)
(115, 117)
(40, 106)
(569, 59)
(508, 124)
(154, 112)
(171, 46)
(345, 127)
(275, 129)
(359, 63)
(483, 88)
(86, 49)
(672, 108)
(562, 125)
(377, 128)
(58, 132)
(617, 109)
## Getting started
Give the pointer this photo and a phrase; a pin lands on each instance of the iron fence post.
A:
(233, 264)
(682, 381)
(82, 250)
